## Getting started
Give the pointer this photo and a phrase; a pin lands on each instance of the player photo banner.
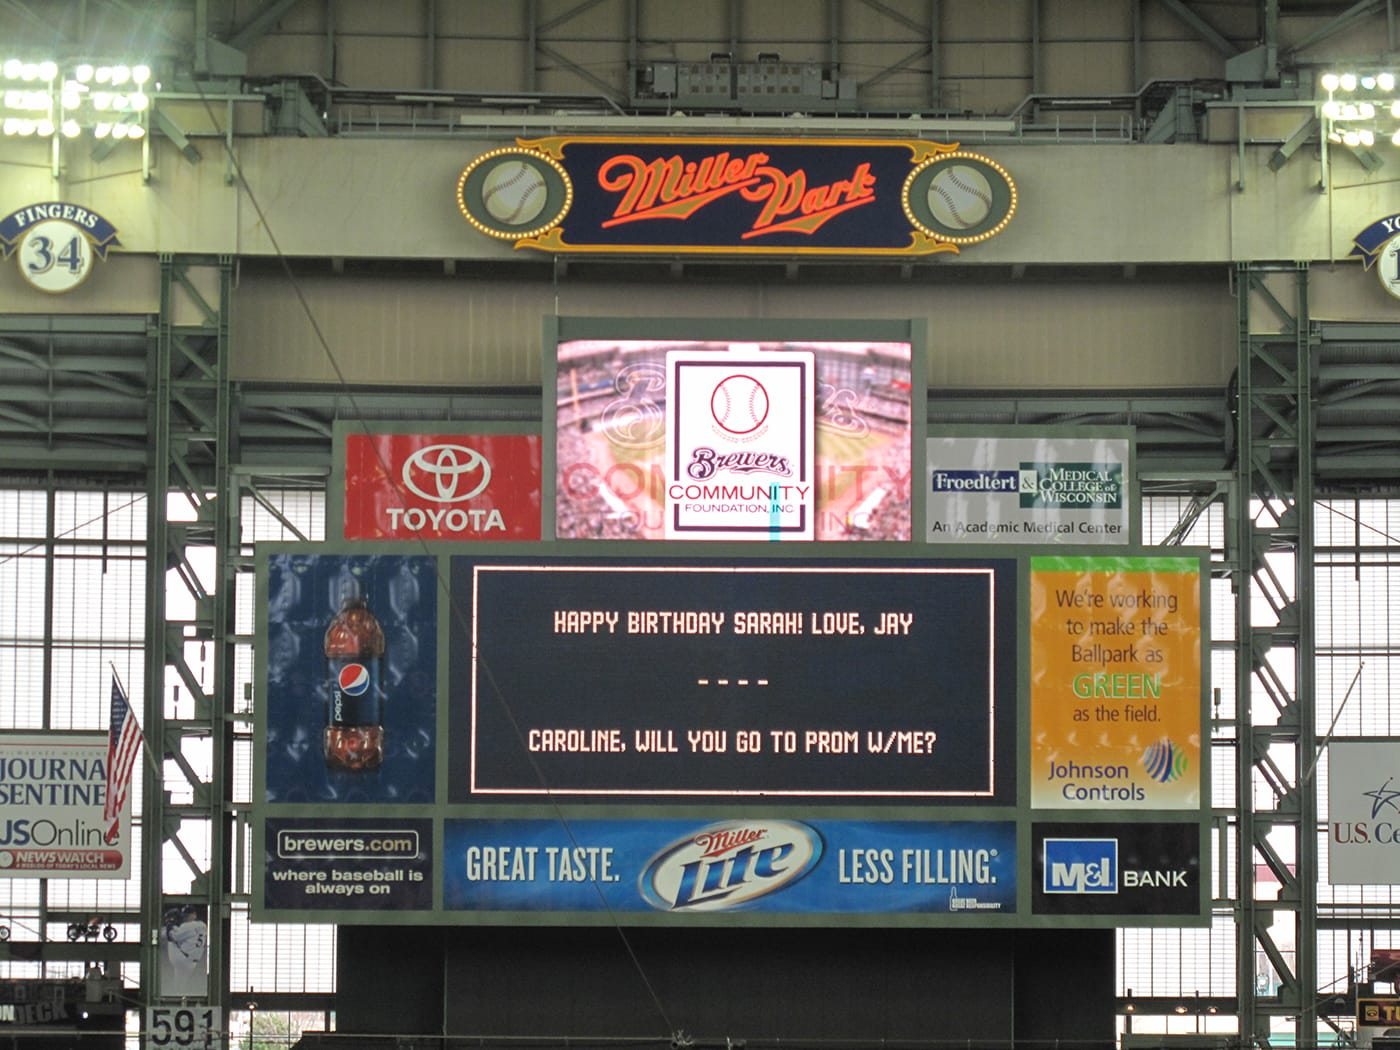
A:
(432, 486)
(1117, 699)
(736, 196)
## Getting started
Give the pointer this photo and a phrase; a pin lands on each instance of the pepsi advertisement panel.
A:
(687, 869)
(351, 699)
(335, 864)
(616, 681)
(1117, 869)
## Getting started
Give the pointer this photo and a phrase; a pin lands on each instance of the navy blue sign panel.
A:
(693, 194)
(614, 680)
(1116, 869)
(348, 864)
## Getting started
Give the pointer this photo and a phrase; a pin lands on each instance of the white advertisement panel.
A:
(740, 453)
(1363, 813)
(53, 787)
(1028, 486)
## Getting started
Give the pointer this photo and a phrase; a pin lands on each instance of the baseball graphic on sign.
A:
(739, 404)
(514, 192)
(959, 197)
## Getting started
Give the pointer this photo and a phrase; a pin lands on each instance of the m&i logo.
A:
(1081, 865)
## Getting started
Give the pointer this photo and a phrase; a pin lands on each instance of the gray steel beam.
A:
(1202, 28)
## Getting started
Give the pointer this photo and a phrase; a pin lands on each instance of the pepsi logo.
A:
(446, 473)
(354, 679)
(724, 866)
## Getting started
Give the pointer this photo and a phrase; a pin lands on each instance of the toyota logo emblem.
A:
(450, 467)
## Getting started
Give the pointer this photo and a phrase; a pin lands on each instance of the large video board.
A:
(538, 734)
(712, 429)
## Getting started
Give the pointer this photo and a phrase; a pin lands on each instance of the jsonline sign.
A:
(442, 486)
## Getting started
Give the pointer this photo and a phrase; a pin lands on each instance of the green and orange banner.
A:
(1116, 696)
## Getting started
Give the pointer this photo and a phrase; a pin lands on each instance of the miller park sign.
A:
(727, 196)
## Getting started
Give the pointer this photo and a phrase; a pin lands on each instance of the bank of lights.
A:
(1361, 108)
(44, 100)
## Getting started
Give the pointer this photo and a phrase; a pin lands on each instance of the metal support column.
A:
(1271, 535)
(191, 520)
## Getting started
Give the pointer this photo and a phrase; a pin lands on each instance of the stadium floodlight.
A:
(1369, 115)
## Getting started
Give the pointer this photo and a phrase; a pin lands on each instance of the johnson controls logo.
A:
(724, 866)
(1081, 865)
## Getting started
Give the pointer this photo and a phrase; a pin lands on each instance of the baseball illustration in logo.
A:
(739, 404)
(455, 473)
(514, 193)
(959, 197)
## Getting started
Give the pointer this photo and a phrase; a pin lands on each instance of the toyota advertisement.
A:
(437, 486)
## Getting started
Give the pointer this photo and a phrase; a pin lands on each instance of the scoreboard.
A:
(733, 638)
(739, 739)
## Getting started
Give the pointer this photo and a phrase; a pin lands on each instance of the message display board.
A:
(529, 735)
(768, 679)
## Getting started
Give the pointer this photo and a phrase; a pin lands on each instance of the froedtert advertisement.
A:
(1029, 486)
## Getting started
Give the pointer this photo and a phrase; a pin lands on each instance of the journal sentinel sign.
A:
(53, 789)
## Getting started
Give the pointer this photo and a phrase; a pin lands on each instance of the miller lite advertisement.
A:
(457, 487)
(688, 870)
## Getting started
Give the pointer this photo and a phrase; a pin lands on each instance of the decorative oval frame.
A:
(470, 201)
(914, 196)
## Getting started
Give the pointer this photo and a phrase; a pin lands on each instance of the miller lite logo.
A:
(442, 486)
(724, 866)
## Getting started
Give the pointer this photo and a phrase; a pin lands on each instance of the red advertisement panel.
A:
(442, 487)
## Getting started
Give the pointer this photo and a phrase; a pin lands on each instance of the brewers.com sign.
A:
(715, 195)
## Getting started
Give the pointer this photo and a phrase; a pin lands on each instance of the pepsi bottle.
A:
(354, 738)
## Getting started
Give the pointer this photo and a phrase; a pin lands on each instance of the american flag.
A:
(123, 745)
